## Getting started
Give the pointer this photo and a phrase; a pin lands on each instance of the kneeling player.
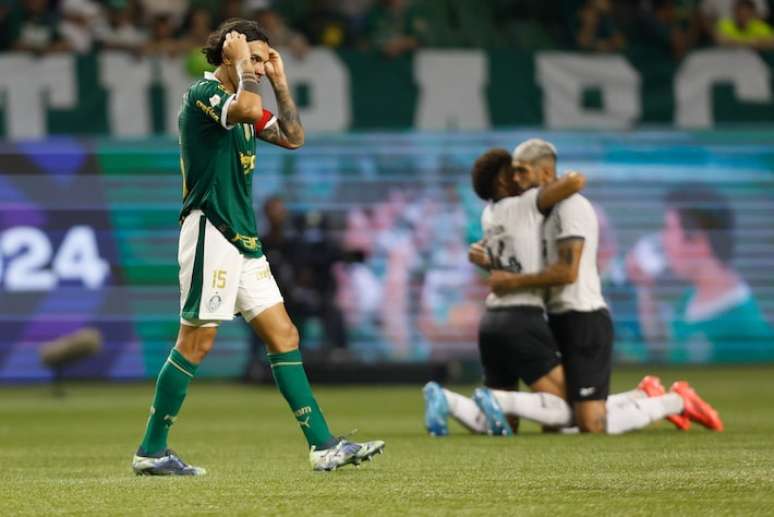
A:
(515, 342)
(581, 324)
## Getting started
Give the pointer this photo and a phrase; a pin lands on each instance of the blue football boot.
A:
(496, 422)
(436, 410)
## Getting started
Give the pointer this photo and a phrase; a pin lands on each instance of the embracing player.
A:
(515, 348)
(581, 324)
(222, 267)
(515, 343)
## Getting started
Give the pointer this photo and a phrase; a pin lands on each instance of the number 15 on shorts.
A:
(219, 279)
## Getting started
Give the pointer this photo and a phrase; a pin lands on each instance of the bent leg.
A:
(624, 417)
(591, 416)
(274, 327)
(544, 408)
(466, 412)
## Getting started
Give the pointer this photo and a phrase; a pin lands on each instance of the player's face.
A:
(683, 252)
(259, 55)
(525, 175)
(547, 170)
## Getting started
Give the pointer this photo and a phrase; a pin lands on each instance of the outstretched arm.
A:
(562, 272)
(288, 131)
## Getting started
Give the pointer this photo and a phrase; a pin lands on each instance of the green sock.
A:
(291, 380)
(171, 387)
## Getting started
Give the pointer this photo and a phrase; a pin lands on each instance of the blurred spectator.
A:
(670, 24)
(78, 19)
(5, 24)
(35, 28)
(325, 25)
(715, 10)
(230, 9)
(120, 29)
(745, 28)
(174, 9)
(355, 12)
(597, 28)
(395, 28)
(197, 27)
(162, 37)
(280, 35)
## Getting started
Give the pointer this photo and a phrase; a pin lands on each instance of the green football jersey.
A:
(217, 161)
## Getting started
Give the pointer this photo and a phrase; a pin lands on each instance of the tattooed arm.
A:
(288, 131)
(562, 272)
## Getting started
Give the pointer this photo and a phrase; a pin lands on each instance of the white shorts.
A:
(216, 280)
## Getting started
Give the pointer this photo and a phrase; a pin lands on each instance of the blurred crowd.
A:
(394, 27)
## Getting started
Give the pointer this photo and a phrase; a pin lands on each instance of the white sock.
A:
(466, 412)
(640, 413)
(543, 408)
(626, 396)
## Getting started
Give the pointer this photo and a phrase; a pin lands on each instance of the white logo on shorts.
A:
(585, 392)
(215, 100)
(214, 303)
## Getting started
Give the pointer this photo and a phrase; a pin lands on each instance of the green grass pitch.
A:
(71, 456)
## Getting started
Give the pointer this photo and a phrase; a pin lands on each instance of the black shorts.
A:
(515, 343)
(586, 342)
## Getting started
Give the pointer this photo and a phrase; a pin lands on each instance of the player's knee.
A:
(196, 344)
(285, 338)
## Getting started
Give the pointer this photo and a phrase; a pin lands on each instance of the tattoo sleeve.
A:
(288, 131)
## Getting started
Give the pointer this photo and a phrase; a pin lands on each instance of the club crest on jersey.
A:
(215, 100)
(214, 303)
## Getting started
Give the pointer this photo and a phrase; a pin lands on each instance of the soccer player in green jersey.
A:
(222, 267)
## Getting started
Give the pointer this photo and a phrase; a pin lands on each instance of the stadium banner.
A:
(119, 95)
(89, 228)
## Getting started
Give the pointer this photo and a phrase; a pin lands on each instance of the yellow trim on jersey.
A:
(182, 173)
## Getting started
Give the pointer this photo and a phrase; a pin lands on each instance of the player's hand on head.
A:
(235, 47)
(275, 68)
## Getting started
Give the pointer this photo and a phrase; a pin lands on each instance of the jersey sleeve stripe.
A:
(224, 113)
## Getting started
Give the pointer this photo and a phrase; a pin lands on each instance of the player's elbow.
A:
(244, 111)
(577, 182)
(296, 143)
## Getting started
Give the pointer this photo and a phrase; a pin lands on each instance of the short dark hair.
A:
(487, 168)
(214, 48)
(703, 209)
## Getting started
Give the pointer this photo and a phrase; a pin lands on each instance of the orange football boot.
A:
(652, 386)
(696, 408)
